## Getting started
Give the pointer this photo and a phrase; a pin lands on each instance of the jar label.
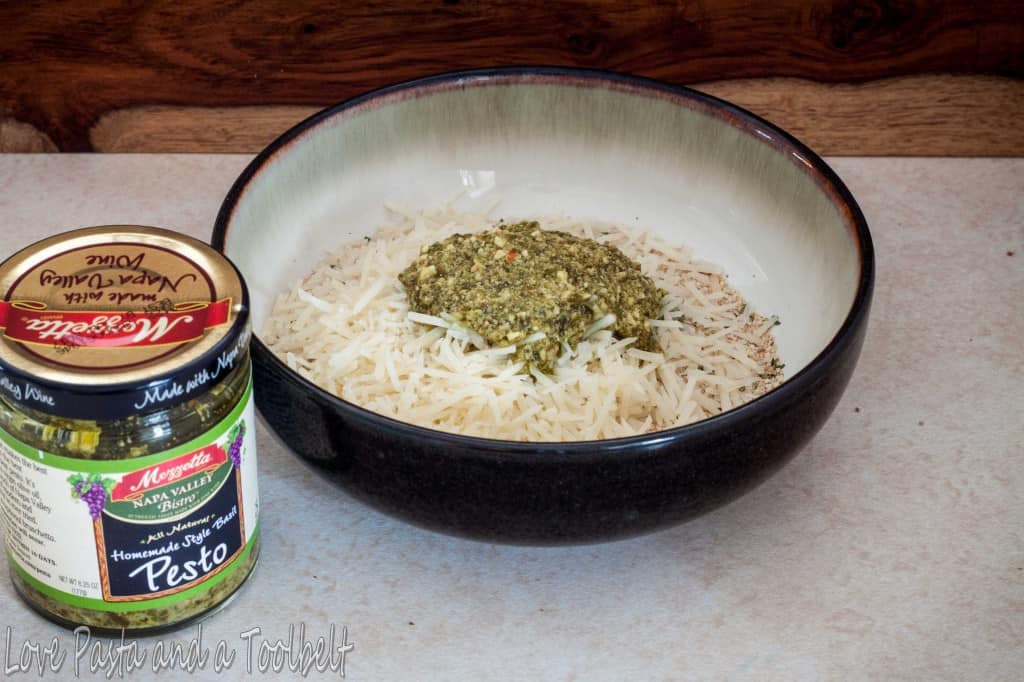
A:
(132, 534)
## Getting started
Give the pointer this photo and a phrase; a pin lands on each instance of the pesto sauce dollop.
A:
(518, 279)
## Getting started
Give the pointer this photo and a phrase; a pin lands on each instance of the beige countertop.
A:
(892, 547)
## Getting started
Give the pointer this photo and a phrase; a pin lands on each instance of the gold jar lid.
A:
(105, 322)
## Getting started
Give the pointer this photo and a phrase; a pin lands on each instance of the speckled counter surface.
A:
(892, 547)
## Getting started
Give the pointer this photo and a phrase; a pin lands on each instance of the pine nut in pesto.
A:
(128, 492)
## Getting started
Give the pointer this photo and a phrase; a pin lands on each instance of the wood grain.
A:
(191, 129)
(16, 136)
(74, 71)
(941, 115)
(913, 116)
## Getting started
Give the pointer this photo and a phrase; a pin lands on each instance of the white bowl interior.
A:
(606, 153)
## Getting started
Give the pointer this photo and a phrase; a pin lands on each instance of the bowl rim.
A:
(737, 117)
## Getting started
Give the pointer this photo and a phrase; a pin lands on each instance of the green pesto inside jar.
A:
(132, 437)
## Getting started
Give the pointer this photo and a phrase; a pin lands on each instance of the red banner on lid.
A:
(31, 322)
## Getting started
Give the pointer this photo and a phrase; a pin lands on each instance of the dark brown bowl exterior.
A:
(562, 493)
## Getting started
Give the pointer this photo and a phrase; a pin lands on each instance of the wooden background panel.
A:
(848, 76)
(911, 116)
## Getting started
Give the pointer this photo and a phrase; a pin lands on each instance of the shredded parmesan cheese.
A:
(348, 328)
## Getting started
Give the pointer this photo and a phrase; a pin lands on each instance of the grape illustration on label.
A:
(235, 436)
(93, 490)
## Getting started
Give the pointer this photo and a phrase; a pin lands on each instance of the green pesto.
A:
(517, 280)
(133, 436)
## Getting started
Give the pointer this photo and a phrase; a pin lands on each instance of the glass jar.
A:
(128, 489)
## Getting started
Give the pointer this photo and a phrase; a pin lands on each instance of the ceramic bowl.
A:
(695, 169)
